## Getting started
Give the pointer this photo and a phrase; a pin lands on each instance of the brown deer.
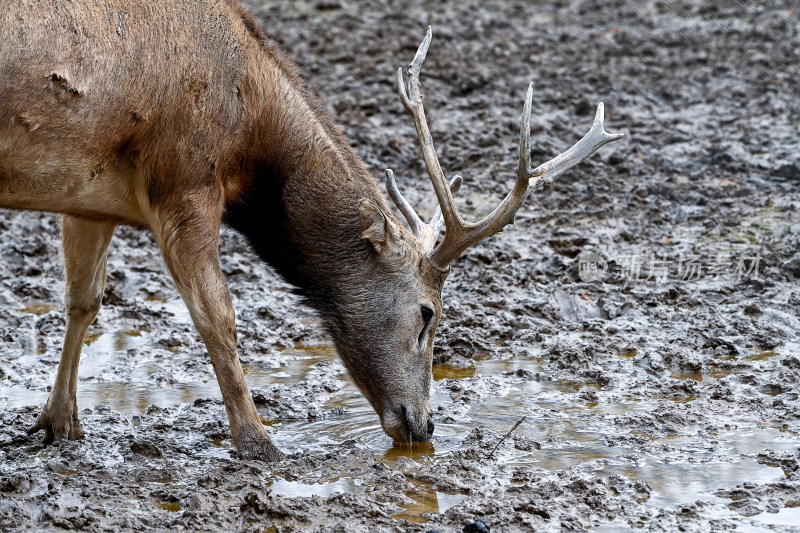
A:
(178, 117)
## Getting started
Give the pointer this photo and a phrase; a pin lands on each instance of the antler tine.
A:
(527, 180)
(402, 204)
(525, 141)
(549, 171)
(412, 101)
(413, 73)
(437, 220)
(426, 233)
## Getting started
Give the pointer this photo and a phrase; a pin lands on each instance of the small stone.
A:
(790, 171)
(478, 526)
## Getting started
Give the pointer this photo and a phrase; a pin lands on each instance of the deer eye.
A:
(427, 313)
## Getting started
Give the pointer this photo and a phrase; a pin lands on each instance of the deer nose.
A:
(413, 430)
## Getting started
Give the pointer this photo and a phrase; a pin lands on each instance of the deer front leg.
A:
(85, 248)
(190, 249)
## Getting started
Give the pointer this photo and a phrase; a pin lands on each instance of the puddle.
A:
(283, 487)
(38, 309)
(762, 355)
(684, 399)
(699, 376)
(446, 371)
(788, 516)
(412, 451)
(91, 338)
(426, 500)
(423, 498)
(672, 482)
(99, 345)
(172, 507)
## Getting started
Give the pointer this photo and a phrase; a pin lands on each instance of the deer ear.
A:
(373, 223)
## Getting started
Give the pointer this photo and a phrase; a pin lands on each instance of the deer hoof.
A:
(58, 423)
(252, 444)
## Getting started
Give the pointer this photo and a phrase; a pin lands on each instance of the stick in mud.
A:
(510, 431)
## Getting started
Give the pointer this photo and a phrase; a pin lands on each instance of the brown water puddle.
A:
(716, 372)
(426, 500)
(38, 309)
(446, 371)
(172, 507)
(412, 451)
(762, 355)
(295, 363)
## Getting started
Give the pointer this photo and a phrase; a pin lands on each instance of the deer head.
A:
(427, 259)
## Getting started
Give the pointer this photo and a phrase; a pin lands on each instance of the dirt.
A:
(659, 397)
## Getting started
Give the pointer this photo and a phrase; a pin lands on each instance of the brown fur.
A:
(179, 116)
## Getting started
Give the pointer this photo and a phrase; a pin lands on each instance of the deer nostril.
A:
(406, 416)
(414, 432)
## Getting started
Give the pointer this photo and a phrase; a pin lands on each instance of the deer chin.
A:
(406, 425)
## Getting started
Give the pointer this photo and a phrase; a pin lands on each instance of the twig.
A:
(510, 431)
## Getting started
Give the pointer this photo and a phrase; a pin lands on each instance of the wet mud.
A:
(659, 385)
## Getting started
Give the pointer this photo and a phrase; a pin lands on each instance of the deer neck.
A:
(299, 207)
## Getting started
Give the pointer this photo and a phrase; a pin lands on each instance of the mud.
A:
(660, 404)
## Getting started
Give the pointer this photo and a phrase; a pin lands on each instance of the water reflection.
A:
(424, 499)
(412, 450)
(441, 372)
(421, 499)
(282, 487)
(788, 516)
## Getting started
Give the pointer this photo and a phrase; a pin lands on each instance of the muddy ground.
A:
(663, 396)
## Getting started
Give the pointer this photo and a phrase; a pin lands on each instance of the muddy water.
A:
(575, 433)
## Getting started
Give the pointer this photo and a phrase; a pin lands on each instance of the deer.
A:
(181, 117)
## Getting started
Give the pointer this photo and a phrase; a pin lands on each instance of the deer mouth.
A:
(401, 424)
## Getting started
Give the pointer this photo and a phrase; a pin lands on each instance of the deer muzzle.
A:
(406, 424)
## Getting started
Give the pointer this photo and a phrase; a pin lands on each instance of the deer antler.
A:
(459, 234)
(426, 233)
